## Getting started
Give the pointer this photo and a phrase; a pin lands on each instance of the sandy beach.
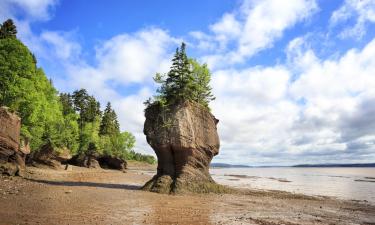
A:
(90, 196)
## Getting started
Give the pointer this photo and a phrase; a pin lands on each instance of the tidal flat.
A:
(97, 196)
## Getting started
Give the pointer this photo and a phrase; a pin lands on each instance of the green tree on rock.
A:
(201, 90)
(186, 80)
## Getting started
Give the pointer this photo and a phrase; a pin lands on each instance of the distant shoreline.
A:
(337, 165)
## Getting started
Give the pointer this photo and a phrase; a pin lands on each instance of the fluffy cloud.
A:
(361, 11)
(321, 111)
(131, 116)
(123, 60)
(254, 111)
(31, 9)
(134, 58)
(254, 27)
(60, 45)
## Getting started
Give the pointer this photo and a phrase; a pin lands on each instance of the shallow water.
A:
(342, 183)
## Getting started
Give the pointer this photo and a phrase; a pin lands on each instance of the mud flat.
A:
(96, 196)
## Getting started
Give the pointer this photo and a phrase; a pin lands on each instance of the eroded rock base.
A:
(165, 184)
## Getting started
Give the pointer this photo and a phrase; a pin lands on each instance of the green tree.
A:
(25, 88)
(89, 112)
(201, 90)
(8, 29)
(89, 136)
(70, 121)
(109, 124)
(70, 131)
(186, 80)
(87, 106)
(67, 103)
(118, 145)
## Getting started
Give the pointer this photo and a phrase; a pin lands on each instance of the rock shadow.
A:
(87, 184)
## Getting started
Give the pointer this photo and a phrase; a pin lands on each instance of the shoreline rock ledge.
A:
(185, 139)
(13, 148)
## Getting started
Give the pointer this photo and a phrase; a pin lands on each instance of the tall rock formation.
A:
(12, 155)
(184, 138)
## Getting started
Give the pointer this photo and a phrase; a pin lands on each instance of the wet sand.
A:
(89, 196)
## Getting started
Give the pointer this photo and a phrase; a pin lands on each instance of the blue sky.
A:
(294, 80)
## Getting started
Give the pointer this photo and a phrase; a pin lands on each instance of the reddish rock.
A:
(88, 160)
(185, 139)
(9, 130)
(110, 162)
(12, 159)
(50, 157)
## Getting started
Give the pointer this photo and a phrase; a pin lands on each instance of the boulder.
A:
(12, 159)
(110, 162)
(49, 156)
(92, 163)
(88, 160)
(185, 139)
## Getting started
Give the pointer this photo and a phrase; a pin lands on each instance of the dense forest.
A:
(72, 121)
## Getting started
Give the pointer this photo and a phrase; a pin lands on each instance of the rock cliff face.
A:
(12, 157)
(184, 138)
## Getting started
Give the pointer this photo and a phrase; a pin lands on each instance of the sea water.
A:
(341, 183)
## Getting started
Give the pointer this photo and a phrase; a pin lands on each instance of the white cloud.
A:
(31, 9)
(226, 29)
(254, 27)
(254, 111)
(279, 115)
(134, 58)
(62, 44)
(266, 21)
(131, 116)
(123, 60)
(205, 42)
(363, 11)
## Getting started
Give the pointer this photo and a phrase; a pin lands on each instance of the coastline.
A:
(96, 196)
